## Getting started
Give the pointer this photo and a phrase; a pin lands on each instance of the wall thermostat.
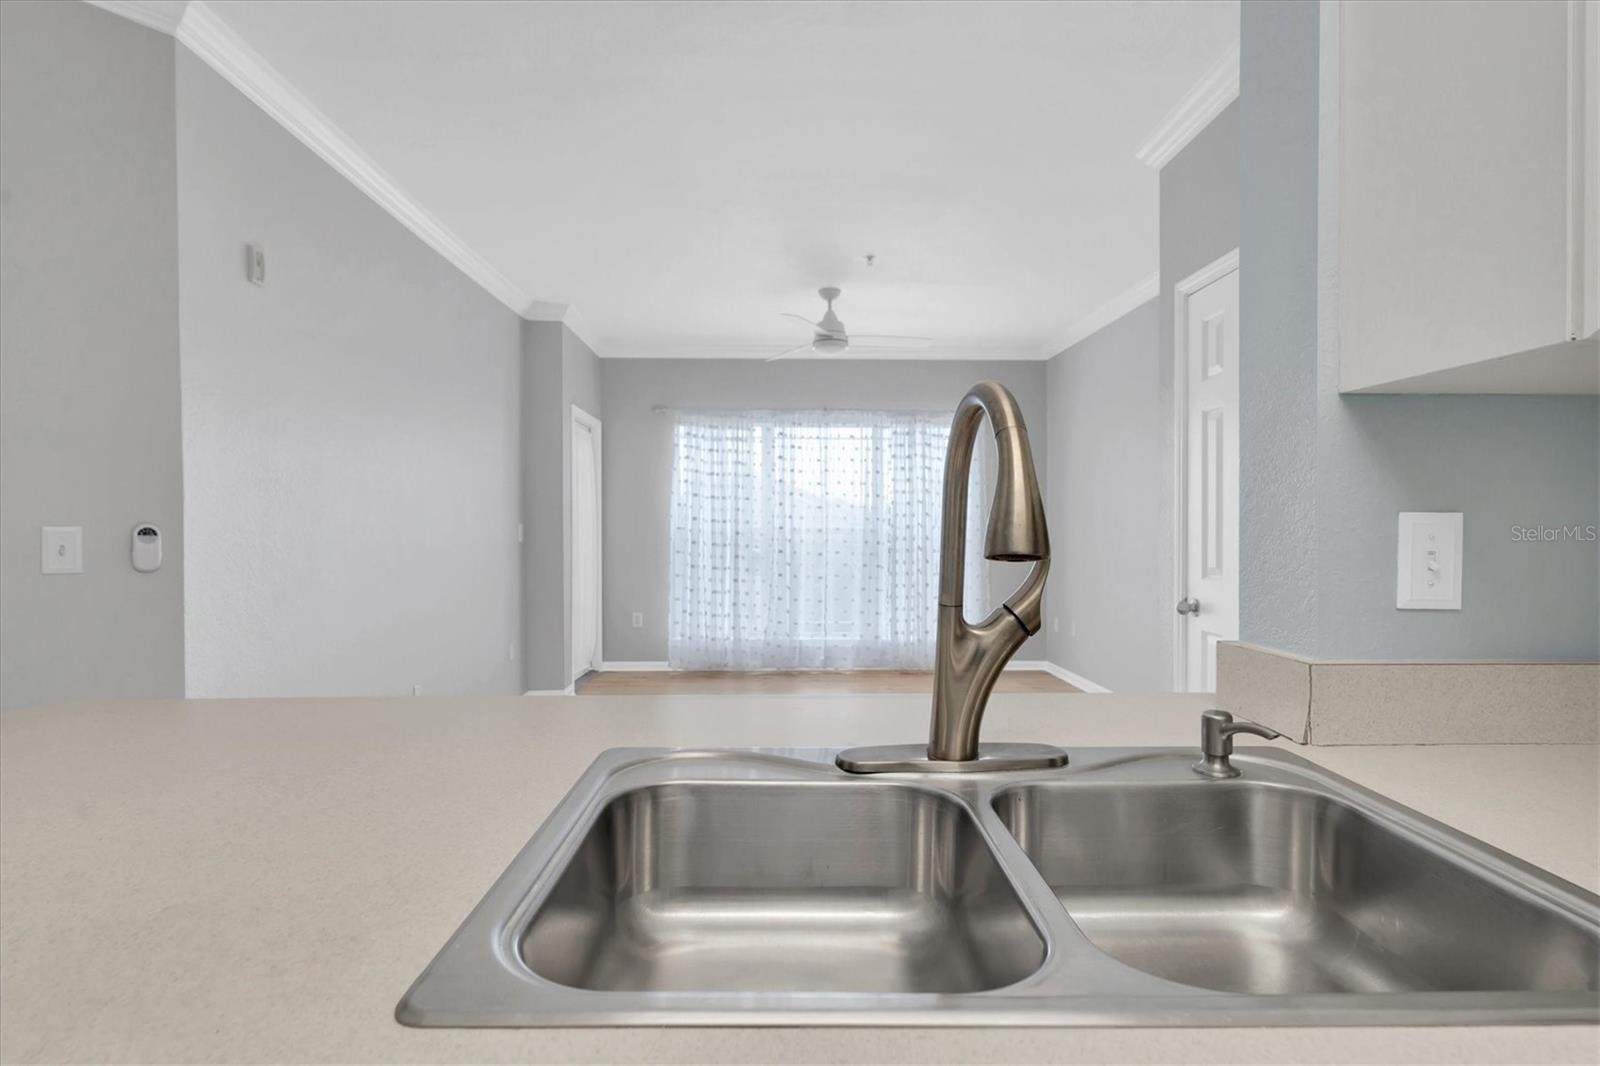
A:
(146, 548)
(255, 264)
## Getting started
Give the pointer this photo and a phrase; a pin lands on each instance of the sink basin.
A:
(1275, 890)
(771, 888)
(754, 887)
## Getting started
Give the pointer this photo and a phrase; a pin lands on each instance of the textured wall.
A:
(1326, 474)
(1104, 501)
(638, 455)
(350, 431)
(1278, 388)
(88, 354)
(1504, 461)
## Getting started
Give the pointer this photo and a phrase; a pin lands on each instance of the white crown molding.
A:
(545, 311)
(1204, 102)
(1144, 289)
(215, 43)
(554, 311)
(223, 50)
(160, 15)
(580, 326)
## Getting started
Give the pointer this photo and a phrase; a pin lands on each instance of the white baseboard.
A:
(568, 691)
(651, 666)
(1075, 680)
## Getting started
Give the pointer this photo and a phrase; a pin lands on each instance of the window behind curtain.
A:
(809, 540)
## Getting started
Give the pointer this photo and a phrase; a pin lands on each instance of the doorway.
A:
(586, 544)
(1206, 508)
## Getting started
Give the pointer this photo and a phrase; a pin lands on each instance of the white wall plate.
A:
(1428, 571)
(61, 550)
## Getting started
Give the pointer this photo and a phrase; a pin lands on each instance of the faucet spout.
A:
(968, 658)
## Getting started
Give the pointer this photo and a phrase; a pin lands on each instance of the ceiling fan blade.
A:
(887, 340)
(789, 351)
(798, 318)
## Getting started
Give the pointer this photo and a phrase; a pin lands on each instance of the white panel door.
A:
(1209, 348)
(585, 545)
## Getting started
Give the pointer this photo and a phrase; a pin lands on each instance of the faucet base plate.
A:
(913, 759)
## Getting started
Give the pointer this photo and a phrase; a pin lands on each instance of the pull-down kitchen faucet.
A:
(968, 658)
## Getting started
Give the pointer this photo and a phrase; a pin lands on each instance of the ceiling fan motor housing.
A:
(829, 323)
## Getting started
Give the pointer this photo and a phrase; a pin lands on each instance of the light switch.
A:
(61, 550)
(1429, 564)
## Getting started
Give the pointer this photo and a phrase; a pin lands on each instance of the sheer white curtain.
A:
(809, 540)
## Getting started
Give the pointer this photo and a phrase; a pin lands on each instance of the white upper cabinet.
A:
(1467, 190)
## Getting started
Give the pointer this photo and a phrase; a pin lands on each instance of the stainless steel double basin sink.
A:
(770, 888)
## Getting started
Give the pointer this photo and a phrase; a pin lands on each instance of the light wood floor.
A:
(796, 683)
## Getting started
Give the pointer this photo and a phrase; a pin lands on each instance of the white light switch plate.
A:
(61, 550)
(1430, 561)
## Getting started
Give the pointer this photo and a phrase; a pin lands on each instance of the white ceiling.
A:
(681, 172)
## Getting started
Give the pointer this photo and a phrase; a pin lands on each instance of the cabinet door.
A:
(1455, 232)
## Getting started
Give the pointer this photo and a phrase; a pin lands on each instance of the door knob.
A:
(1189, 606)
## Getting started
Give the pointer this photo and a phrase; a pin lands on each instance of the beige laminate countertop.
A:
(260, 880)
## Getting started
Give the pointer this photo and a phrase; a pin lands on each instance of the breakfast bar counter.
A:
(261, 880)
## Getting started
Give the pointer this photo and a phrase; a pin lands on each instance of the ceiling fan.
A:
(829, 338)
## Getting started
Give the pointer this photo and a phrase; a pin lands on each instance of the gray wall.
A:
(1111, 476)
(1199, 225)
(350, 431)
(559, 372)
(1104, 503)
(1324, 475)
(638, 455)
(1503, 461)
(543, 508)
(88, 354)
(1278, 387)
